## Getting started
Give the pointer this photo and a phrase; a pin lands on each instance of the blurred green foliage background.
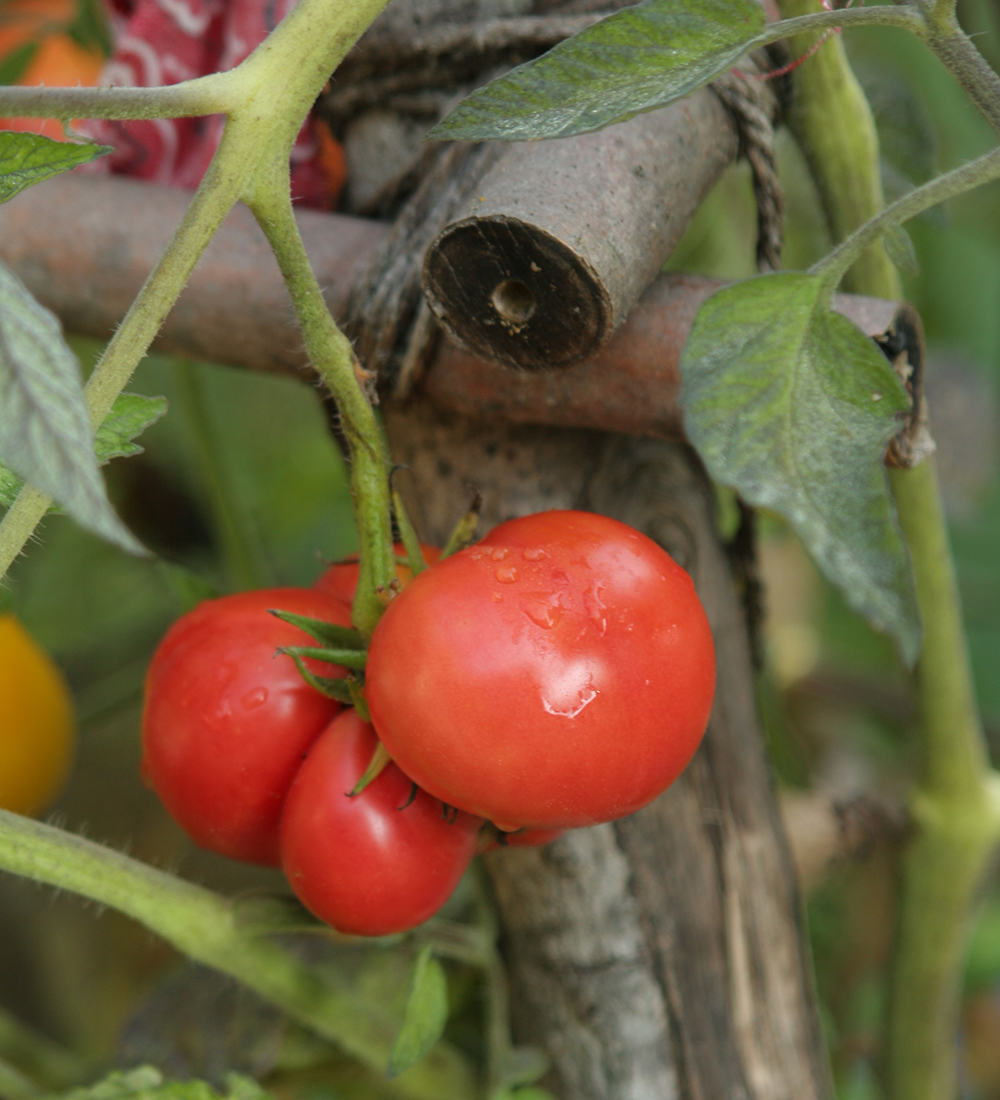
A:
(242, 485)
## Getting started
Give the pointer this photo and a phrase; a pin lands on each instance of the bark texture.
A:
(661, 956)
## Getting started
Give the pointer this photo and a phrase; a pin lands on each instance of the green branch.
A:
(982, 170)
(205, 95)
(206, 927)
(297, 58)
(333, 358)
(955, 808)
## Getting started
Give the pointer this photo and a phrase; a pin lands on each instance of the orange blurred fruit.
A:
(57, 61)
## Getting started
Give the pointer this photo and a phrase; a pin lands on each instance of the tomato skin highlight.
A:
(557, 674)
(37, 728)
(373, 864)
(341, 579)
(226, 723)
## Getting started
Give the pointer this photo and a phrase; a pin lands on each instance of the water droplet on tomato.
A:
(497, 597)
(543, 609)
(507, 574)
(533, 554)
(500, 553)
(596, 608)
(585, 698)
(255, 698)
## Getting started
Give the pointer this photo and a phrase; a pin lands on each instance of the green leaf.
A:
(635, 60)
(425, 1014)
(30, 158)
(14, 64)
(344, 637)
(129, 416)
(147, 1083)
(793, 406)
(899, 248)
(45, 431)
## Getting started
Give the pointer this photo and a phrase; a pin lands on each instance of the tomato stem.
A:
(207, 928)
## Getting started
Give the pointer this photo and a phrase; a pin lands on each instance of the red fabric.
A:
(167, 41)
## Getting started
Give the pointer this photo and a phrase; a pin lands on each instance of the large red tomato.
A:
(341, 579)
(377, 863)
(227, 723)
(557, 674)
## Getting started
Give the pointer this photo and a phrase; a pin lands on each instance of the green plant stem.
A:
(832, 122)
(205, 95)
(955, 809)
(239, 540)
(333, 358)
(206, 927)
(982, 170)
(297, 59)
(965, 63)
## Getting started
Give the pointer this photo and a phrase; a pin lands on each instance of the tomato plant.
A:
(381, 861)
(558, 673)
(227, 722)
(341, 579)
(38, 731)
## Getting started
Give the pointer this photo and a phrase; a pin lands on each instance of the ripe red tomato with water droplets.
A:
(380, 862)
(341, 579)
(557, 674)
(226, 722)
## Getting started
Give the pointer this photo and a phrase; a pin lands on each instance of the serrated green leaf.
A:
(30, 158)
(45, 431)
(345, 637)
(148, 1083)
(130, 415)
(633, 61)
(899, 248)
(793, 406)
(425, 1014)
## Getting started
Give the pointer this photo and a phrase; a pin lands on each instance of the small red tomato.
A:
(379, 862)
(341, 579)
(227, 723)
(559, 673)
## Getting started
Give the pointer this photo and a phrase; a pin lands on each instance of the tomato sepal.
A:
(341, 637)
(339, 689)
(346, 658)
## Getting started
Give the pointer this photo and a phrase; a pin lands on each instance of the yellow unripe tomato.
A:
(37, 730)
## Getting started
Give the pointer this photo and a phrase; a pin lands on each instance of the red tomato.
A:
(557, 674)
(226, 723)
(376, 863)
(341, 579)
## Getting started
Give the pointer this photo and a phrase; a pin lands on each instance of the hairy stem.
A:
(957, 182)
(206, 95)
(206, 927)
(333, 358)
(832, 122)
(954, 808)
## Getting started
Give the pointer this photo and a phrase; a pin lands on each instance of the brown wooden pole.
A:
(84, 246)
(562, 237)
